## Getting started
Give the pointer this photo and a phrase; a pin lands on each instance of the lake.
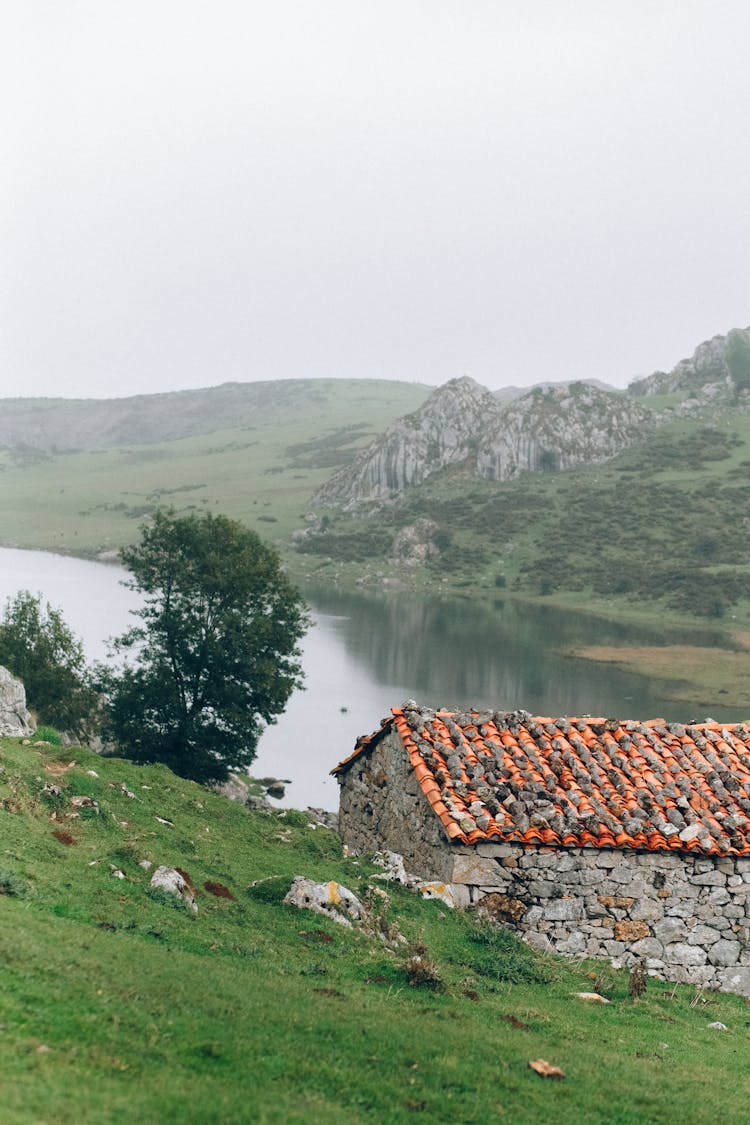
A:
(367, 653)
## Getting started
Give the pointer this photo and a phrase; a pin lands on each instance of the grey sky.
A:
(195, 192)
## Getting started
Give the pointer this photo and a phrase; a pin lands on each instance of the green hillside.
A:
(665, 523)
(119, 1005)
(261, 471)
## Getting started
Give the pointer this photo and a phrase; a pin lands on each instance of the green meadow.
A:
(263, 472)
(120, 1005)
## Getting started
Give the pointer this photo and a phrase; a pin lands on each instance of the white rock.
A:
(15, 720)
(169, 879)
(84, 803)
(393, 868)
(441, 891)
(333, 899)
(691, 832)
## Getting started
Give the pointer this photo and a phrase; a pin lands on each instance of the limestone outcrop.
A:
(463, 425)
(15, 720)
(704, 375)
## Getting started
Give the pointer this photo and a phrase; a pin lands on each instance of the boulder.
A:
(333, 899)
(15, 720)
(174, 882)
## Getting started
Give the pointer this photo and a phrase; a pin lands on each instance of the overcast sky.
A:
(515, 190)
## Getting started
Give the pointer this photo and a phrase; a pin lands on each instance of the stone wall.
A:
(686, 917)
(382, 808)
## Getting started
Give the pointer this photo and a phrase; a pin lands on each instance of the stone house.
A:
(602, 838)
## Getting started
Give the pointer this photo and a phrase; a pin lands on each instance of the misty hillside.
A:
(59, 424)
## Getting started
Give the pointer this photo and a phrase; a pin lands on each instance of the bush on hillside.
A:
(37, 646)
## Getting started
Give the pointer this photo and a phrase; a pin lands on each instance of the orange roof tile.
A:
(508, 776)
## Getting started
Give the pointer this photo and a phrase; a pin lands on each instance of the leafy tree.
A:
(216, 651)
(37, 646)
(738, 358)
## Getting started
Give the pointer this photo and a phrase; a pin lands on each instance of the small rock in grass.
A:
(174, 882)
(545, 1069)
(440, 891)
(84, 803)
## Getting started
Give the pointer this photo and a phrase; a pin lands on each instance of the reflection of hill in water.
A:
(449, 653)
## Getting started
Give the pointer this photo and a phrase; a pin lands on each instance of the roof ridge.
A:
(568, 781)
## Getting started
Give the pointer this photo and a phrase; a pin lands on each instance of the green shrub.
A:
(48, 734)
(271, 890)
(37, 646)
(495, 952)
(13, 884)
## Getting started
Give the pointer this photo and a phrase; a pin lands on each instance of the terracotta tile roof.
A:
(601, 783)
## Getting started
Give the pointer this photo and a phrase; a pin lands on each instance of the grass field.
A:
(120, 1007)
(93, 501)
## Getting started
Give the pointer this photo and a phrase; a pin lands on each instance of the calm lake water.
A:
(366, 654)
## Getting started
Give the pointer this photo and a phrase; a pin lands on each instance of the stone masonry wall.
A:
(382, 808)
(686, 916)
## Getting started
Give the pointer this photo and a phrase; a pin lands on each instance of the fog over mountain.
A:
(417, 190)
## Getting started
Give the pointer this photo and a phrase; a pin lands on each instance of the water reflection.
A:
(502, 655)
(367, 653)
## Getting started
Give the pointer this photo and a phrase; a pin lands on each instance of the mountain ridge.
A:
(551, 426)
(57, 424)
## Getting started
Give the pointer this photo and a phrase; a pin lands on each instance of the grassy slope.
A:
(91, 501)
(661, 534)
(116, 1007)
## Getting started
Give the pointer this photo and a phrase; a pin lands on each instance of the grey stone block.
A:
(647, 910)
(724, 952)
(703, 935)
(670, 930)
(709, 879)
(680, 953)
(564, 910)
(736, 979)
(476, 871)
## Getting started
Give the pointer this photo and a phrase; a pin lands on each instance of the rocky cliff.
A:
(704, 375)
(463, 424)
(556, 427)
(443, 432)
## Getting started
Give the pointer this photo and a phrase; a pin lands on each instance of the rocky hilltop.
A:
(463, 424)
(553, 426)
(443, 432)
(712, 371)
